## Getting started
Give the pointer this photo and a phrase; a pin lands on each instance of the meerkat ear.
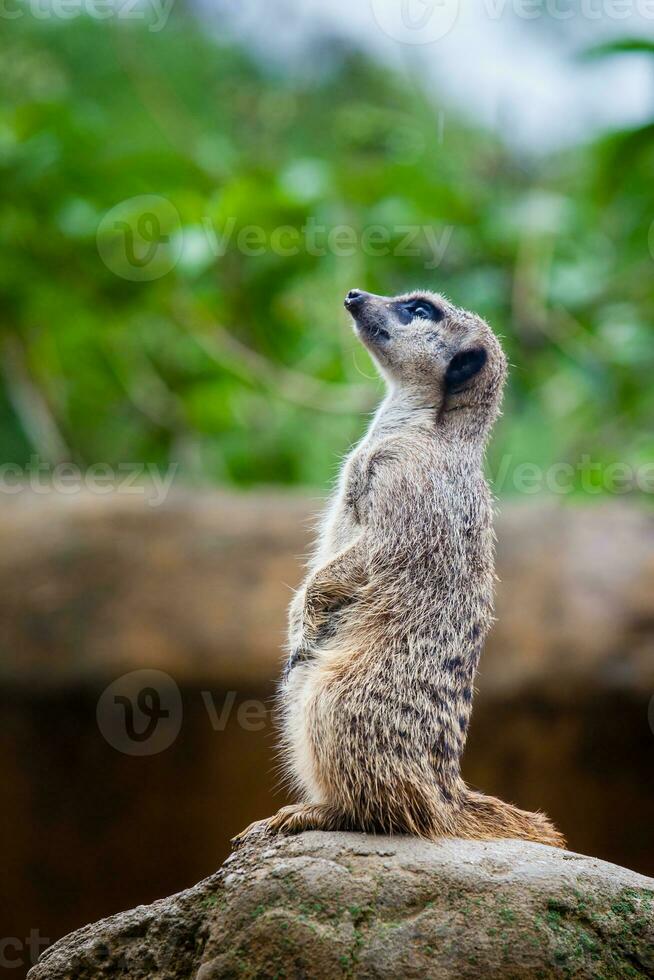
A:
(464, 366)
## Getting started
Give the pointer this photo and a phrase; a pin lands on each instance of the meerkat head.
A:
(437, 354)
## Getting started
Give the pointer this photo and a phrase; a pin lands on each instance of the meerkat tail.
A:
(486, 818)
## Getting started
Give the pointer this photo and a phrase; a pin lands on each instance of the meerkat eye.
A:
(425, 310)
(418, 308)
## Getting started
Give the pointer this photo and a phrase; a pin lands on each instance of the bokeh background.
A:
(188, 191)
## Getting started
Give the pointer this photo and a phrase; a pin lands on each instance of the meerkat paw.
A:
(299, 655)
(294, 819)
(307, 816)
(285, 821)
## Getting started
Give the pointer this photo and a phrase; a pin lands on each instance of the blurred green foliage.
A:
(242, 367)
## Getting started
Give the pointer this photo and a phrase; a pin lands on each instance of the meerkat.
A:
(386, 631)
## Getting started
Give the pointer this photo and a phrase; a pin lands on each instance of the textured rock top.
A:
(351, 905)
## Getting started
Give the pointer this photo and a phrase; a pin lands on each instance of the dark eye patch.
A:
(420, 308)
(463, 367)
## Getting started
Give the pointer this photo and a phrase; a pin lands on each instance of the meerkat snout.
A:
(354, 298)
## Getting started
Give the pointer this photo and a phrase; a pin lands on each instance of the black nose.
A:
(355, 297)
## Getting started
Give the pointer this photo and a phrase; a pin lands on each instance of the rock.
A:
(352, 905)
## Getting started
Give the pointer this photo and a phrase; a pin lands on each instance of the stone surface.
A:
(350, 905)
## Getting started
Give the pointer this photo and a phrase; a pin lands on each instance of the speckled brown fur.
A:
(386, 632)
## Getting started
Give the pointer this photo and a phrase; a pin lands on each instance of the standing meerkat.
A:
(386, 631)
